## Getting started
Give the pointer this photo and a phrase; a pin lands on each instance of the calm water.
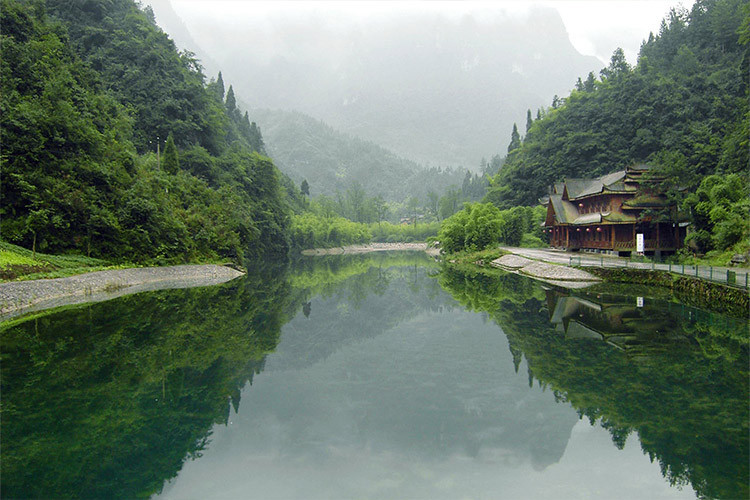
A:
(376, 377)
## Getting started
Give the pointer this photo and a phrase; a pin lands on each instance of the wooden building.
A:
(607, 213)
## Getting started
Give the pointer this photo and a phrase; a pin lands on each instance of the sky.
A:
(595, 27)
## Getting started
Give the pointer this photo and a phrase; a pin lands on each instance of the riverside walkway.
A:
(737, 276)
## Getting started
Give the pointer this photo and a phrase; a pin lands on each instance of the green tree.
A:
(618, 65)
(413, 206)
(529, 120)
(305, 187)
(231, 103)
(515, 139)
(171, 157)
(220, 87)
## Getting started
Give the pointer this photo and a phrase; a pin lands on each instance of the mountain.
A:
(429, 88)
(307, 149)
(89, 92)
(171, 23)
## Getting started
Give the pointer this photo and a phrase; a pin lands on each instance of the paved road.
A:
(718, 274)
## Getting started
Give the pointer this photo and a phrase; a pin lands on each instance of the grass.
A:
(18, 263)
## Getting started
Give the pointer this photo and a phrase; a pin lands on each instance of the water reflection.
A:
(108, 400)
(376, 377)
(674, 375)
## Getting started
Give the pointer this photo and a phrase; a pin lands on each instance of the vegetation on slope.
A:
(684, 108)
(89, 92)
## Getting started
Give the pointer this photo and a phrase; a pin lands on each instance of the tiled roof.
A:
(565, 212)
(589, 218)
(578, 188)
(619, 217)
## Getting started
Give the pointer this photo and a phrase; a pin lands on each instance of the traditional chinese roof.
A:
(565, 211)
(579, 188)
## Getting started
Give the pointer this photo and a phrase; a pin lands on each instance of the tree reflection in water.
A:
(674, 375)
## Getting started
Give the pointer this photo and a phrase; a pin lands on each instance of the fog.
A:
(440, 83)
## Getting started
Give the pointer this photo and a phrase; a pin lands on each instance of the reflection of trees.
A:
(689, 410)
(108, 400)
(356, 297)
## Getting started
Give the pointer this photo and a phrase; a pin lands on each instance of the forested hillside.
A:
(331, 161)
(90, 92)
(683, 107)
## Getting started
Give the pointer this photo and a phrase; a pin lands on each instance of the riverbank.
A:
(20, 297)
(567, 277)
(373, 247)
(697, 292)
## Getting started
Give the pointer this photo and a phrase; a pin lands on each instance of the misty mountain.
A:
(330, 161)
(171, 23)
(427, 87)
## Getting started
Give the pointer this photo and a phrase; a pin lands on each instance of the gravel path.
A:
(19, 297)
(568, 277)
(511, 262)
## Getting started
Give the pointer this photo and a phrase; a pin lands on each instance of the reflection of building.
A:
(631, 323)
(612, 319)
(608, 212)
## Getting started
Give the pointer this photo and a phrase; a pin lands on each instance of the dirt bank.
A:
(21, 297)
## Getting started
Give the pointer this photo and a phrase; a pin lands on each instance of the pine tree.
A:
(529, 119)
(231, 102)
(171, 159)
(590, 84)
(305, 188)
(256, 139)
(246, 129)
(515, 139)
(220, 86)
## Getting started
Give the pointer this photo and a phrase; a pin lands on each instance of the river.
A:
(376, 376)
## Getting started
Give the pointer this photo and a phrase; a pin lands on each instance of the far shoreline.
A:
(373, 247)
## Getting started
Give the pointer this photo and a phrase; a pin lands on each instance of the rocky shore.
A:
(20, 297)
(568, 277)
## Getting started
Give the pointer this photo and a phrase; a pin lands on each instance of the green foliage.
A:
(171, 160)
(312, 231)
(73, 181)
(515, 139)
(109, 400)
(686, 101)
(332, 161)
(475, 227)
(685, 399)
(391, 233)
(480, 225)
(719, 208)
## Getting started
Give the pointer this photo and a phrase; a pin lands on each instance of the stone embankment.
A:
(20, 297)
(568, 277)
(372, 247)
